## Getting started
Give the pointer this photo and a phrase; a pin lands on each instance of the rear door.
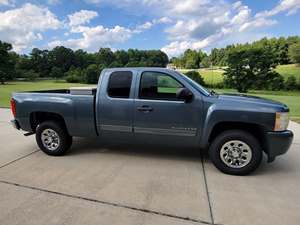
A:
(159, 115)
(115, 105)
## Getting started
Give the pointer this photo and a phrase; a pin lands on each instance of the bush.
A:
(92, 74)
(276, 83)
(73, 79)
(56, 72)
(194, 75)
(294, 52)
(291, 83)
(30, 75)
(74, 76)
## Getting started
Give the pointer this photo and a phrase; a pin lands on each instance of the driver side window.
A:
(158, 86)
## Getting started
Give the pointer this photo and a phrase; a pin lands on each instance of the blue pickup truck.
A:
(157, 105)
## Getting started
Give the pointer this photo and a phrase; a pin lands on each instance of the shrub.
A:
(92, 74)
(194, 75)
(276, 83)
(56, 72)
(30, 75)
(294, 52)
(74, 75)
(291, 83)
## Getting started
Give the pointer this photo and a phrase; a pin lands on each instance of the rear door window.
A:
(119, 84)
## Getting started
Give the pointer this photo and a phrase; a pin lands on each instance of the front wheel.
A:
(52, 138)
(235, 152)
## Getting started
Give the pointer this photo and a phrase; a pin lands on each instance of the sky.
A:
(170, 25)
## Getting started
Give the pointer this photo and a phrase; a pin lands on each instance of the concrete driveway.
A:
(96, 183)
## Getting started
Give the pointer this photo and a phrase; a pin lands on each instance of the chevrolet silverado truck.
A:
(157, 105)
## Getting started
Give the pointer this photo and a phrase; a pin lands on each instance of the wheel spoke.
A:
(236, 154)
(50, 139)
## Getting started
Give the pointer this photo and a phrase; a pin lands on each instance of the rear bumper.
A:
(15, 124)
(278, 143)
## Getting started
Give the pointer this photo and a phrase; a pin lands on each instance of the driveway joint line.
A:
(18, 159)
(207, 192)
(113, 204)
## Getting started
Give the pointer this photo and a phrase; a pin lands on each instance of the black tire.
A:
(64, 143)
(240, 135)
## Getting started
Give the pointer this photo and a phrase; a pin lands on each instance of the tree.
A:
(250, 66)
(105, 56)
(39, 62)
(206, 62)
(121, 57)
(192, 59)
(56, 72)
(30, 75)
(6, 64)
(194, 75)
(92, 74)
(294, 52)
(61, 57)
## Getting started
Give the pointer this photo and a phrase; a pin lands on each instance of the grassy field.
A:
(289, 70)
(215, 76)
(7, 89)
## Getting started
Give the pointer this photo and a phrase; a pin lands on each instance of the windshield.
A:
(194, 84)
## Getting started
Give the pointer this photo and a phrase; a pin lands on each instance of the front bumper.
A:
(15, 124)
(278, 143)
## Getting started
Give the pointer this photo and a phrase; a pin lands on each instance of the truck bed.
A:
(75, 105)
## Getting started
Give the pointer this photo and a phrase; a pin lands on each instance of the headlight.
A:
(281, 121)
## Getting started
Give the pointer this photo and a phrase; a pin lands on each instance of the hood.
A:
(254, 100)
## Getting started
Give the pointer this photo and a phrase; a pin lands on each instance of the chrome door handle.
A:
(145, 108)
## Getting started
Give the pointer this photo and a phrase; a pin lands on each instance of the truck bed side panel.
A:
(76, 110)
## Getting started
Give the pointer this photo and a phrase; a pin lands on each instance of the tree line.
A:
(74, 66)
(285, 51)
(248, 66)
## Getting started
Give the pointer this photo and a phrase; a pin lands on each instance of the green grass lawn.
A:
(8, 88)
(214, 76)
(289, 70)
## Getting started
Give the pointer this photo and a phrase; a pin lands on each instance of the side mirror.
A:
(185, 94)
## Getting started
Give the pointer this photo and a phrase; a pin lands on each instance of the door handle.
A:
(145, 108)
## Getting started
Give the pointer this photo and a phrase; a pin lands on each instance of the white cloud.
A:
(202, 23)
(22, 26)
(81, 17)
(289, 6)
(95, 37)
(6, 2)
(257, 23)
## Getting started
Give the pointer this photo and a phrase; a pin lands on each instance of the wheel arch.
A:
(256, 130)
(39, 117)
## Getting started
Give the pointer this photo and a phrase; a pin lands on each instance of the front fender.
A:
(220, 113)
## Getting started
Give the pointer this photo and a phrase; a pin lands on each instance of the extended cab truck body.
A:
(157, 105)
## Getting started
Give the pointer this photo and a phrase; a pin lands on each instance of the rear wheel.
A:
(235, 152)
(52, 138)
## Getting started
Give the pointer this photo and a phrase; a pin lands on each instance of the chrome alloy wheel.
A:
(50, 139)
(236, 154)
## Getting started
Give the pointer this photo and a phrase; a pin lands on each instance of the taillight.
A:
(13, 106)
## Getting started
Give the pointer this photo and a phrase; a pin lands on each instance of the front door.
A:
(159, 115)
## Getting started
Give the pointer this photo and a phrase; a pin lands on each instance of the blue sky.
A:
(170, 25)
